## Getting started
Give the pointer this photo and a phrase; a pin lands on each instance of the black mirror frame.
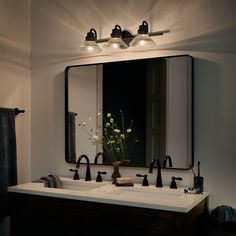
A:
(66, 73)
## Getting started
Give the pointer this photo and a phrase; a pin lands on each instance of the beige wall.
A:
(205, 29)
(15, 83)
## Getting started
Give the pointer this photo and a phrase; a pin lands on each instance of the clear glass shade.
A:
(142, 40)
(115, 44)
(90, 47)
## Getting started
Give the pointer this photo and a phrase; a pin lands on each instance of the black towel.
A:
(56, 180)
(224, 213)
(71, 138)
(50, 181)
(8, 167)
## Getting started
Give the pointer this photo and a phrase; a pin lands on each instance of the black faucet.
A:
(76, 175)
(88, 174)
(173, 183)
(96, 157)
(145, 180)
(99, 177)
(159, 179)
(167, 158)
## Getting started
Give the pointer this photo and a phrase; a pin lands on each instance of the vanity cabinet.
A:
(33, 215)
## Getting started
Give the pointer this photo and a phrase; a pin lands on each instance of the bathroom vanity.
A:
(89, 208)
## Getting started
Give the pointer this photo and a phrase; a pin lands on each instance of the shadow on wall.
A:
(206, 102)
(221, 40)
(207, 96)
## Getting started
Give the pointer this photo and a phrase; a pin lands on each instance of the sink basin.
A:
(80, 185)
(150, 193)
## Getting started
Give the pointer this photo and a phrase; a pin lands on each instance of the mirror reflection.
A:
(154, 94)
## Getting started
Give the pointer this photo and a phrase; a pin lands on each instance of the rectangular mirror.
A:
(156, 93)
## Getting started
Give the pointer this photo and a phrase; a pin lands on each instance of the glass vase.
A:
(116, 173)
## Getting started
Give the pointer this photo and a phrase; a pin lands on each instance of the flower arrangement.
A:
(114, 138)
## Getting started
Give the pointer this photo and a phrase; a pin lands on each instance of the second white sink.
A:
(149, 193)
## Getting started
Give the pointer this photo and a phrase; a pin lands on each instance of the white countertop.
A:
(105, 192)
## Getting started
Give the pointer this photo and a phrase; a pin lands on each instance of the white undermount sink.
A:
(149, 193)
(80, 185)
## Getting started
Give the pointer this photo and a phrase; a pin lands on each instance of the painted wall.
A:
(15, 83)
(205, 29)
(179, 114)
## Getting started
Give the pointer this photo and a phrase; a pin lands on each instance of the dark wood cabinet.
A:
(33, 215)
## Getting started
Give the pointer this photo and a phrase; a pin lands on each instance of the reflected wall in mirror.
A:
(156, 93)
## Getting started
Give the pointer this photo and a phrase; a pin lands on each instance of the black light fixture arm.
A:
(131, 36)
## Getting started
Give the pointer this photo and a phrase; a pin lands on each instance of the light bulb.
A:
(142, 40)
(90, 47)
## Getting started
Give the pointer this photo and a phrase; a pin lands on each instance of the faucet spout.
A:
(167, 158)
(159, 178)
(88, 174)
(96, 157)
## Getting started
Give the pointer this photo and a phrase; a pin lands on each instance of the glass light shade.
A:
(142, 40)
(89, 47)
(115, 44)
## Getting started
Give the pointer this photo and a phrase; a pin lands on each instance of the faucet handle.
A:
(76, 175)
(145, 180)
(99, 177)
(173, 183)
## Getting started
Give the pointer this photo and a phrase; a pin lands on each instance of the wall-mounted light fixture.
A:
(90, 45)
(116, 41)
(142, 38)
(120, 39)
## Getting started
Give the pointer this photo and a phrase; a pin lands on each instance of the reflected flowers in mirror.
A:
(116, 139)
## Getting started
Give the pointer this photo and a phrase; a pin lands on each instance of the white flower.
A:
(109, 135)
(94, 139)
